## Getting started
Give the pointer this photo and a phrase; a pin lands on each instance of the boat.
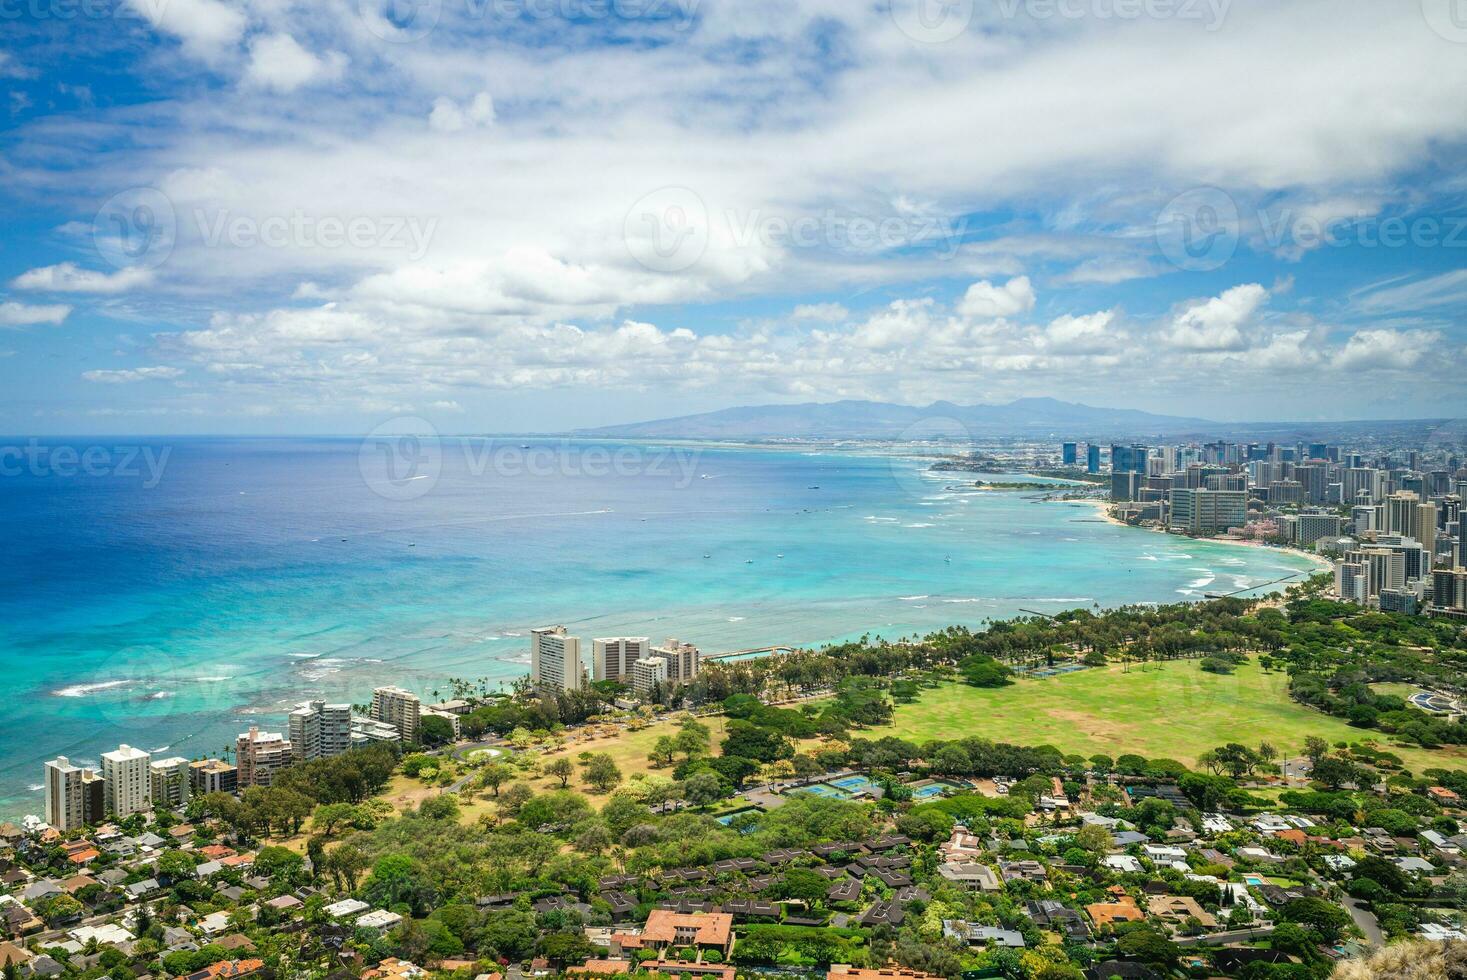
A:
(748, 561)
(779, 556)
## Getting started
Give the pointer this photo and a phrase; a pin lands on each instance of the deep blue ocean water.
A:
(172, 607)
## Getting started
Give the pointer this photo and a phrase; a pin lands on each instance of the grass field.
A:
(1172, 710)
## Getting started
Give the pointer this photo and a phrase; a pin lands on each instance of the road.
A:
(1365, 919)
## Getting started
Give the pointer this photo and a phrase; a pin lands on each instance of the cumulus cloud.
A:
(1217, 324)
(449, 117)
(1376, 349)
(132, 375)
(22, 315)
(985, 300)
(68, 277)
(207, 28)
(278, 63)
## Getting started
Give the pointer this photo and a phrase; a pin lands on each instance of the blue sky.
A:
(279, 216)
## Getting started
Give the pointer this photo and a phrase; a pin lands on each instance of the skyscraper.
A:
(1069, 453)
(129, 783)
(1092, 458)
(555, 660)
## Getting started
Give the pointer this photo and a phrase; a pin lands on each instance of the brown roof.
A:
(840, 971)
(1123, 910)
(11, 953)
(85, 857)
(712, 928)
(225, 969)
(600, 967)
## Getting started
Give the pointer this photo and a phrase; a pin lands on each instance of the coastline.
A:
(1102, 509)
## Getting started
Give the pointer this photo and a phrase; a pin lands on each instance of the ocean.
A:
(170, 594)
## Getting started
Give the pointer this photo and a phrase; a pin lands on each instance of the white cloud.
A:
(1083, 334)
(132, 375)
(1217, 324)
(278, 63)
(448, 117)
(10, 68)
(20, 315)
(207, 28)
(1394, 297)
(820, 312)
(984, 300)
(68, 277)
(1386, 349)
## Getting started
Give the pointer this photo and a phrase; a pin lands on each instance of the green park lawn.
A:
(1170, 710)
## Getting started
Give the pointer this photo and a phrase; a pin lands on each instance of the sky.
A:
(271, 216)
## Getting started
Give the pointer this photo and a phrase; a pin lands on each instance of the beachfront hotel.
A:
(555, 660)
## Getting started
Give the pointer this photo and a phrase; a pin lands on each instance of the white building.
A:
(555, 660)
(319, 730)
(168, 781)
(129, 781)
(612, 657)
(648, 673)
(399, 708)
(65, 807)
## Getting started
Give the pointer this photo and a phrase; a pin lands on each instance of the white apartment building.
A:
(129, 787)
(555, 660)
(169, 781)
(612, 657)
(399, 708)
(319, 730)
(1208, 511)
(65, 806)
(648, 673)
(260, 755)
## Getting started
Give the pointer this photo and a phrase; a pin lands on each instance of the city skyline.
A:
(265, 218)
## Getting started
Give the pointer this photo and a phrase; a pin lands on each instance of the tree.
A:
(495, 775)
(176, 865)
(1315, 748)
(749, 741)
(663, 750)
(433, 730)
(329, 816)
(602, 773)
(1335, 772)
(514, 798)
(703, 789)
(1325, 918)
(692, 740)
(346, 864)
(804, 885)
(562, 769)
(565, 948)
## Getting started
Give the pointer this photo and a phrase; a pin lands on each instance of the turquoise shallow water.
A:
(257, 573)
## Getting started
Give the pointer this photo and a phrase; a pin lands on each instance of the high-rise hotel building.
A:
(555, 660)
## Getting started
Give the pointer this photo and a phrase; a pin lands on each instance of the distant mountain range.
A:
(880, 420)
(1024, 418)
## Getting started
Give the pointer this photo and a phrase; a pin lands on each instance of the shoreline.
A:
(1102, 508)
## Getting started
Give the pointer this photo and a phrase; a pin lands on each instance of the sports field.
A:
(1171, 710)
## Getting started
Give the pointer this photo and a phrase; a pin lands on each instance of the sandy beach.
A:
(1102, 510)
